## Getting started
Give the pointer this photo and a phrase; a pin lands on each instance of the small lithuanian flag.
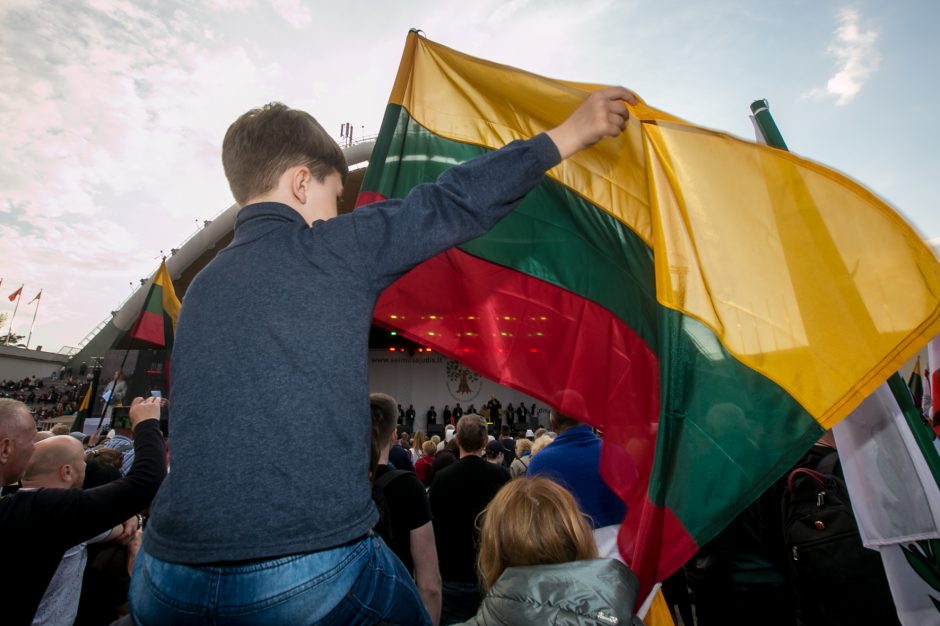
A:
(157, 321)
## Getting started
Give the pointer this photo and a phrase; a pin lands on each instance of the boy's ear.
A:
(300, 182)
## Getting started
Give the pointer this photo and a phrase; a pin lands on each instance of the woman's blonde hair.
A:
(531, 521)
(418, 442)
(542, 441)
(523, 445)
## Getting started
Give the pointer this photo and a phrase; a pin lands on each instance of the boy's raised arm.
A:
(602, 114)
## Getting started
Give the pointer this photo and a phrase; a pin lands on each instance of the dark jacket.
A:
(598, 592)
(38, 526)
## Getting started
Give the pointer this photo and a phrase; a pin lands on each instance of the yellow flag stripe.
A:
(86, 401)
(171, 304)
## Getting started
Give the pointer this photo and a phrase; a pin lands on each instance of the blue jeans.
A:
(360, 583)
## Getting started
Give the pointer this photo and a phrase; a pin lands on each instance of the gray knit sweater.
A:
(270, 428)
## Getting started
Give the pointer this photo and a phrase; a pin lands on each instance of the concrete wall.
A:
(19, 363)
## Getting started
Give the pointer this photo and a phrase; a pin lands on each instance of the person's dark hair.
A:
(263, 143)
(106, 455)
(563, 422)
(471, 432)
(442, 459)
(504, 430)
(384, 416)
(494, 449)
(99, 472)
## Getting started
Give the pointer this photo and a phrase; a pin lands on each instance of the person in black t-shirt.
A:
(458, 494)
(405, 515)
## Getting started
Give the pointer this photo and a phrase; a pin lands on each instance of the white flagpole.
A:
(13, 317)
(38, 300)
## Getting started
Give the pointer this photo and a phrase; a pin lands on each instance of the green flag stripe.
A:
(154, 302)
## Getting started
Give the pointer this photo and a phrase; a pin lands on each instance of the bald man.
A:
(59, 463)
(17, 430)
(37, 526)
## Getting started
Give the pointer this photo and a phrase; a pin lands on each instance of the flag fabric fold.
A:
(713, 303)
(38, 296)
(157, 321)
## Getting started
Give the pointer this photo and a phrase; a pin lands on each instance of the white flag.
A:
(896, 501)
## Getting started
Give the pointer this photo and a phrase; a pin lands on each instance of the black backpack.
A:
(384, 526)
(835, 578)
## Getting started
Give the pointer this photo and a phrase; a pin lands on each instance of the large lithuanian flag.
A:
(711, 304)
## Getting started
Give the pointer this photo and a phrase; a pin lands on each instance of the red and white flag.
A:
(16, 294)
(933, 379)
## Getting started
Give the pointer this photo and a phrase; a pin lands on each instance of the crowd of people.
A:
(465, 516)
(70, 520)
(46, 399)
(518, 417)
(434, 503)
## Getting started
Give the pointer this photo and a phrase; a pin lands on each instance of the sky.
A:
(112, 112)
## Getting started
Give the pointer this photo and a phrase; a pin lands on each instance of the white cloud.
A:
(856, 56)
(294, 12)
(110, 132)
(231, 5)
(505, 32)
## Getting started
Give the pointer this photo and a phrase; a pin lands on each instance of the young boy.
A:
(270, 356)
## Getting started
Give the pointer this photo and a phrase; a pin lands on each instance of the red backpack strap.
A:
(819, 477)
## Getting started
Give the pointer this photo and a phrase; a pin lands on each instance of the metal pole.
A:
(33, 323)
(13, 317)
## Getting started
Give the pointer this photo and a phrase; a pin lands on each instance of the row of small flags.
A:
(19, 292)
(17, 296)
